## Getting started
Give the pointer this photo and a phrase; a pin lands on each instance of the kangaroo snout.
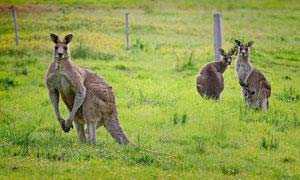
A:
(60, 55)
(243, 53)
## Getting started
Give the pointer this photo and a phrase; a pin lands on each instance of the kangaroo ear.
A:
(250, 43)
(68, 38)
(54, 38)
(238, 42)
(222, 51)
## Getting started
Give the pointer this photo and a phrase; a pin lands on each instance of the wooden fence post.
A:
(127, 30)
(14, 15)
(217, 35)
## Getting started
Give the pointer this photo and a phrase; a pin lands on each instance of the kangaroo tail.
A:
(114, 128)
(265, 93)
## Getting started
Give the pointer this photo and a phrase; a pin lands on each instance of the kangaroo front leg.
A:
(91, 128)
(78, 100)
(246, 96)
(54, 97)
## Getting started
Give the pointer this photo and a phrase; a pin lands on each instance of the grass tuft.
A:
(269, 143)
(7, 83)
(288, 95)
(182, 119)
(186, 64)
(232, 171)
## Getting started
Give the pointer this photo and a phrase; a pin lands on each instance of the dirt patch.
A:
(29, 8)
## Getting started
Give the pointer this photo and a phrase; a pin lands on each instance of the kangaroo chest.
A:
(66, 89)
(243, 70)
(64, 84)
(61, 80)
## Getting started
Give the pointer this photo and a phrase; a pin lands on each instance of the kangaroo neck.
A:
(221, 66)
(243, 68)
(60, 63)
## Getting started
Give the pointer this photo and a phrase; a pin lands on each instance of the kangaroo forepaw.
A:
(65, 127)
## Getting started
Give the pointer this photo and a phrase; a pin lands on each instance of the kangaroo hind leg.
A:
(265, 104)
(91, 129)
(80, 132)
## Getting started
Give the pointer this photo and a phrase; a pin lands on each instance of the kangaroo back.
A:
(210, 82)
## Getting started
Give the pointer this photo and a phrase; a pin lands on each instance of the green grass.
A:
(180, 135)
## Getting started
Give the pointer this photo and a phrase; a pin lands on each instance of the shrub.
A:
(7, 83)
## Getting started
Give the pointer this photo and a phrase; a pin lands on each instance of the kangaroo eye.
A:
(65, 48)
(55, 47)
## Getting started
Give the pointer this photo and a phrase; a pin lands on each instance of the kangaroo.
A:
(255, 87)
(88, 98)
(210, 81)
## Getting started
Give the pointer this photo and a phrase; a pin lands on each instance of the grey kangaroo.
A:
(88, 98)
(255, 87)
(210, 81)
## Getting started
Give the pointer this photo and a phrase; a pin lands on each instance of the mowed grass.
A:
(178, 134)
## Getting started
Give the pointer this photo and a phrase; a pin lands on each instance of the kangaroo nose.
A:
(60, 54)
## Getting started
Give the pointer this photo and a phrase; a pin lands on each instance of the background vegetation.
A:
(154, 83)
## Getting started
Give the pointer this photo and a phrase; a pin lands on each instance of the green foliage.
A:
(121, 67)
(289, 95)
(179, 119)
(186, 64)
(269, 144)
(230, 170)
(144, 159)
(138, 45)
(7, 83)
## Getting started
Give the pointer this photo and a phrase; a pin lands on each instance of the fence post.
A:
(217, 35)
(14, 15)
(127, 30)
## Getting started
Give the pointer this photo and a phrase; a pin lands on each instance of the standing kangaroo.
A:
(210, 81)
(88, 98)
(255, 87)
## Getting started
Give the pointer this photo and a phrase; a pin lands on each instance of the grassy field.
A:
(159, 107)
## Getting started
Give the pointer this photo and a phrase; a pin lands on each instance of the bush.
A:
(7, 83)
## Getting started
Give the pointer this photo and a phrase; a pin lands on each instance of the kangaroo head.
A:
(227, 57)
(243, 49)
(61, 49)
